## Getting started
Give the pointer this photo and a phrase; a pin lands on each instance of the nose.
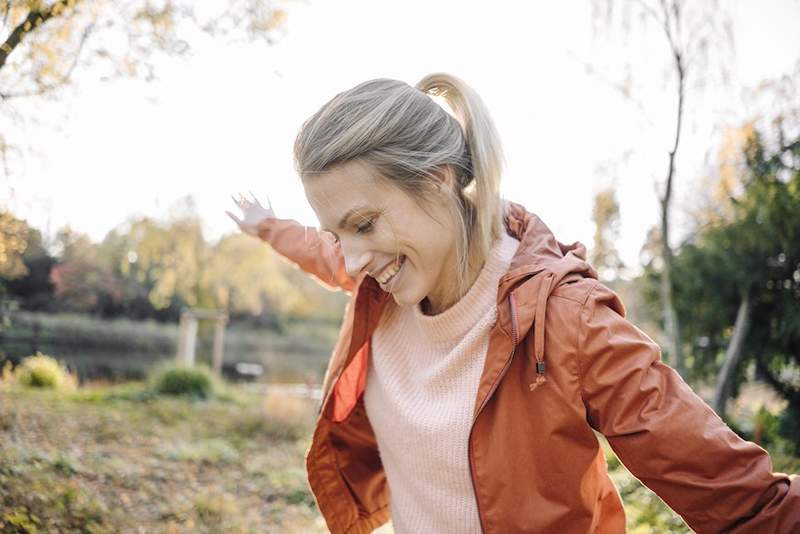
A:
(355, 259)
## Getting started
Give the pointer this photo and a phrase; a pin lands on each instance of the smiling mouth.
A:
(390, 272)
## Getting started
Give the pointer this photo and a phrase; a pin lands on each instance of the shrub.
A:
(765, 427)
(196, 382)
(789, 427)
(43, 371)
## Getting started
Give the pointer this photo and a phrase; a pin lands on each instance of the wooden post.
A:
(191, 341)
(187, 336)
(219, 343)
(181, 337)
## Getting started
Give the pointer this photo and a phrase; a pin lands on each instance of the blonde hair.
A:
(402, 134)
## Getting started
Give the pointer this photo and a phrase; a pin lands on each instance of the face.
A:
(410, 251)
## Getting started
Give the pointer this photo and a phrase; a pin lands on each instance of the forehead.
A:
(350, 185)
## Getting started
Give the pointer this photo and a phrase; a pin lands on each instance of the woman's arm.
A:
(304, 246)
(301, 245)
(669, 438)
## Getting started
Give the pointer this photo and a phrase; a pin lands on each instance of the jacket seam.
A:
(579, 337)
(564, 297)
(363, 522)
(581, 300)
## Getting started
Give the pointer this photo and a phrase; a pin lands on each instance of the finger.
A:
(269, 203)
(236, 201)
(234, 217)
(255, 199)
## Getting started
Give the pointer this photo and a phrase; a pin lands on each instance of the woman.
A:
(478, 354)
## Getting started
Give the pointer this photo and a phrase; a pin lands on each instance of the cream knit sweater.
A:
(420, 395)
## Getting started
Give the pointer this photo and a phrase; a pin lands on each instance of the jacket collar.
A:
(539, 252)
(540, 265)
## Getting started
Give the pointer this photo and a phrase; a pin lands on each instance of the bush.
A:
(42, 371)
(766, 427)
(196, 382)
(789, 427)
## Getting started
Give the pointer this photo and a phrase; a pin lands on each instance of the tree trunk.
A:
(671, 325)
(733, 356)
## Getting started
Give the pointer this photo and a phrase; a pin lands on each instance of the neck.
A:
(443, 297)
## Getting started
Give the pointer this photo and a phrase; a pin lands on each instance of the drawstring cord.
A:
(538, 331)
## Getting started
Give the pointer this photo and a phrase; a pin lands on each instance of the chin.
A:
(403, 301)
(407, 298)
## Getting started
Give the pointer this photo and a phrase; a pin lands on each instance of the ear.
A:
(447, 177)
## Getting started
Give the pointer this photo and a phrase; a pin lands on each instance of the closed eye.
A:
(366, 226)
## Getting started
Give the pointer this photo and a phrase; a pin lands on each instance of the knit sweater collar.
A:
(453, 324)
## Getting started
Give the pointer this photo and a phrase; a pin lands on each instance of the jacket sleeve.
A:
(303, 246)
(669, 438)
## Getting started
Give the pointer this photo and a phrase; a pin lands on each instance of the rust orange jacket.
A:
(562, 362)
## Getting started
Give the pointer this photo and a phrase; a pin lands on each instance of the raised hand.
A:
(252, 213)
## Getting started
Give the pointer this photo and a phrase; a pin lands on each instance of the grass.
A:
(120, 458)
(114, 459)
(645, 512)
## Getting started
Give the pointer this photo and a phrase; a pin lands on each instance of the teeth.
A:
(389, 273)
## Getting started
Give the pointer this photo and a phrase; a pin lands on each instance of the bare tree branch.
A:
(649, 11)
(33, 20)
(63, 80)
(619, 87)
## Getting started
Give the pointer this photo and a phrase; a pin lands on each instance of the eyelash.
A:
(361, 229)
(366, 227)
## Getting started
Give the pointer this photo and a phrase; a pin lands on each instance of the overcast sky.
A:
(223, 119)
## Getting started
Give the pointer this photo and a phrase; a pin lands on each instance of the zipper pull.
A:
(540, 379)
(541, 369)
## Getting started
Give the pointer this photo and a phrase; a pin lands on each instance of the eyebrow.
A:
(347, 215)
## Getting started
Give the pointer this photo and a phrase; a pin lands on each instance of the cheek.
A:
(426, 258)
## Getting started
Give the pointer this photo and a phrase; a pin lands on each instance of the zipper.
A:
(503, 371)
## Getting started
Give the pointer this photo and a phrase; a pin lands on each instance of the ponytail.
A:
(485, 155)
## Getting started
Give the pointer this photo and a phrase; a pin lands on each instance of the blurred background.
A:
(663, 135)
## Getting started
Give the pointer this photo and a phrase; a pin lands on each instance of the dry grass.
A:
(97, 462)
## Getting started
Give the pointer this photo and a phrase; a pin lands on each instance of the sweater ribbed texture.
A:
(420, 395)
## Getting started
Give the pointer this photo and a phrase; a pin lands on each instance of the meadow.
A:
(106, 459)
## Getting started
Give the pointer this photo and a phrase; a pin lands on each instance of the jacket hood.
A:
(540, 265)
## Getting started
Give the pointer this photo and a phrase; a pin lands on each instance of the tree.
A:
(739, 278)
(34, 290)
(690, 31)
(605, 214)
(166, 260)
(245, 276)
(43, 42)
(148, 268)
(13, 242)
(81, 281)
